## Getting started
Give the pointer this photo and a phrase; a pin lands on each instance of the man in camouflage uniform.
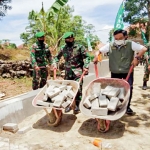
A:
(146, 69)
(76, 61)
(40, 57)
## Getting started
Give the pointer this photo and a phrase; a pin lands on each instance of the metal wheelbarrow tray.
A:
(55, 114)
(120, 83)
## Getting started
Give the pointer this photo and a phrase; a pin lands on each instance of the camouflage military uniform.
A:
(146, 71)
(40, 56)
(76, 58)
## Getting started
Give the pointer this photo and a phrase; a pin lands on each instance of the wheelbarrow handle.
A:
(54, 75)
(96, 70)
(82, 76)
(130, 71)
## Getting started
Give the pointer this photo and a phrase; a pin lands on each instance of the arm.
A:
(85, 57)
(140, 49)
(103, 49)
(56, 58)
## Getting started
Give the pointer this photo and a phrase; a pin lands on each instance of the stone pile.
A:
(15, 69)
(103, 101)
(58, 95)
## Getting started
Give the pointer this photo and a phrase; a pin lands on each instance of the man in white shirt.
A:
(121, 57)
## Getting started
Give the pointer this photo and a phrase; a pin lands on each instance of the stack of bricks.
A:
(103, 101)
(58, 95)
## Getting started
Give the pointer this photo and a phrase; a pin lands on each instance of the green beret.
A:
(68, 34)
(39, 34)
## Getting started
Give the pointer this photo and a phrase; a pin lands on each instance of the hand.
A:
(135, 62)
(86, 70)
(54, 66)
(37, 68)
(95, 60)
(149, 67)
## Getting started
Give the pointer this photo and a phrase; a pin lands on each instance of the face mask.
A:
(119, 42)
(69, 43)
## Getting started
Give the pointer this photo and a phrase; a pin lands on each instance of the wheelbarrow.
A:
(103, 122)
(55, 114)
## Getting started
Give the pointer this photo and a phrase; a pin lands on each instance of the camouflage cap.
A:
(68, 34)
(39, 34)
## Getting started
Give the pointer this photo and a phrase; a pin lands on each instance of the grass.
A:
(14, 54)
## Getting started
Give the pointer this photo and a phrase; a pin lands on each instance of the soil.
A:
(77, 132)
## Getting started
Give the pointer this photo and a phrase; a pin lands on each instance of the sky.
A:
(99, 13)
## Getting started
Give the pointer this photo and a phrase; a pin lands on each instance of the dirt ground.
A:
(78, 132)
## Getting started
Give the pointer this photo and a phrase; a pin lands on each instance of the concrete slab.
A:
(16, 109)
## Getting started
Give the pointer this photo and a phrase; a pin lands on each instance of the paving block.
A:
(64, 92)
(58, 97)
(54, 93)
(41, 103)
(24, 130)
(112, 105)
(69, 99)
(65, 104)
(69, 88)
(106, 90)
(121, 94)
(119, 105)
(99, 111)
(62, 87)
(113, 92)
(58, 103)
(95, 103)
(87, 102)
(96, 88)
(71, 94)
(45, 98)
(50, 88)
(93, 96)
(10, 126)
(103, 101)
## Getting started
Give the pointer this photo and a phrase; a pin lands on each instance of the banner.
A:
(119, 18)
(144, 38)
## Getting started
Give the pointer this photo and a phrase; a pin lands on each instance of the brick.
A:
(10, 126)
(54, 93)
(99, 111)
(87, 102)
(41, 103)
(121, 94)
(113, 103)
(69, 99)
(71, 94)
(103, 101)
(57, 103)
(50, 88)
(95, 103)
(24, 130)
(65, 104)
(93, 96)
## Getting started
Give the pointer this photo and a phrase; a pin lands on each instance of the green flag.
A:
(144, 38)
(119, 18)
(89, 43)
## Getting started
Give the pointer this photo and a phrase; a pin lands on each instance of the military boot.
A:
(144, 85)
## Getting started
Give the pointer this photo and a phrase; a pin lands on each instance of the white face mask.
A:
(119, 42)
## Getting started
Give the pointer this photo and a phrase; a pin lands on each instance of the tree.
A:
(4, 7)
(55, 25)
(138, 11)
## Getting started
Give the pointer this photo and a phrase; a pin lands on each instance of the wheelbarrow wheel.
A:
(55, 118)
(103, 125)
